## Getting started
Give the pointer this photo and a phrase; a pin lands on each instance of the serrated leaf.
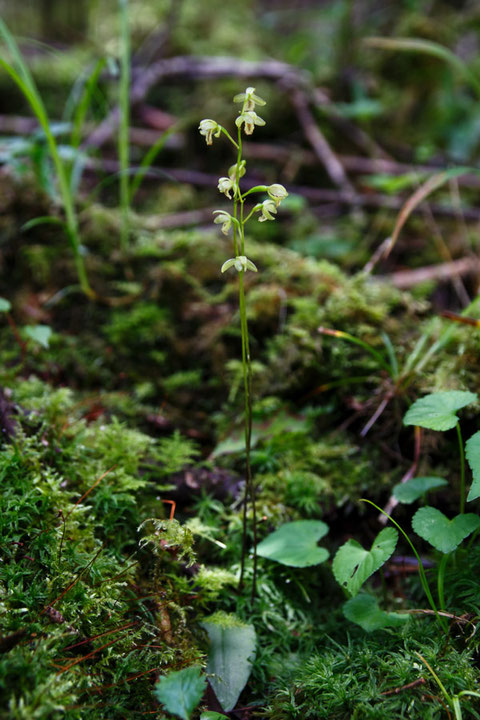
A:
(364, 611)
(40, 334)
(445, 535)
(232, 651)
(437, 411)
(5, 305)
(472, 453)
(295, 544)
(414, 488)
(180, 692)
(353, 565)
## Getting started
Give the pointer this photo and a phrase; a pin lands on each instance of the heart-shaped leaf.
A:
(364, 611)
(414, 488)
(232, 651)
(180, 692)
(353, 564)
(445, 535)
(438, 410)
(472, 453)
(40, 334)
(295, 544)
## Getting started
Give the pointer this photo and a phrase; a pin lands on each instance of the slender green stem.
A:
(462, 469)
(437, 679)
(124, 125)
(250, 213)
(257, 188)
(440, 580)
(225, 132)
(421, 569)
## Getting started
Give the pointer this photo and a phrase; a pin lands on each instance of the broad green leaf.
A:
(438, 410)
(5, 305)
(413, 489)
(295, 544)
(40, 334)
(445, 535)
(211, 715)
(353, 564)
(364, 611)
(180, 692)
(232, 651)
(472, 453)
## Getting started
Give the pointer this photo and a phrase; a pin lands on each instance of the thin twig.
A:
(319, 144)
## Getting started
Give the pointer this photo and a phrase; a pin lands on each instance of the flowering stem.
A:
(225, 132)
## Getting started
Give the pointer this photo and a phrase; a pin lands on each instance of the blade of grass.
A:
(149, 158)
(124, 125)
(426, 47)
(22, 78)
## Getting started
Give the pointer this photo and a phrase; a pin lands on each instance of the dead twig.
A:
(393, 502)
(319, 144)
(404, 279)
(408, 686)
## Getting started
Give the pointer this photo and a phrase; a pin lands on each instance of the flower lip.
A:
(224, 219)
(268, 208)
(249, 119)
(209, 128)
(226, 185)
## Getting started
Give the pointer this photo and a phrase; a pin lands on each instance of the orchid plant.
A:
(235, 223)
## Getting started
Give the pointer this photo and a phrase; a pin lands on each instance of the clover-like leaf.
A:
(353, 565)
(472, 453)
(5, 305)
(180, 692)
(364, 611)
(437, 411)
(414, 488)
(295, 544)
(445, 535)
(232, 651)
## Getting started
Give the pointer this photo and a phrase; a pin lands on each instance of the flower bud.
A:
(209, 128)
(277, 193)
(232, 171)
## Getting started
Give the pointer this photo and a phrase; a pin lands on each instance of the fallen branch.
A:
(404, 279)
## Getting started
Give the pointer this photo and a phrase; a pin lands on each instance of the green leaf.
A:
(295, 544)
(445, 535)
(353, 564)
(211, 715)
(364, 611)
(472, 453)
(438, 410)
(40, 334)
(413, 489)
(180, 692)
(5, 305)
(232, 651)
